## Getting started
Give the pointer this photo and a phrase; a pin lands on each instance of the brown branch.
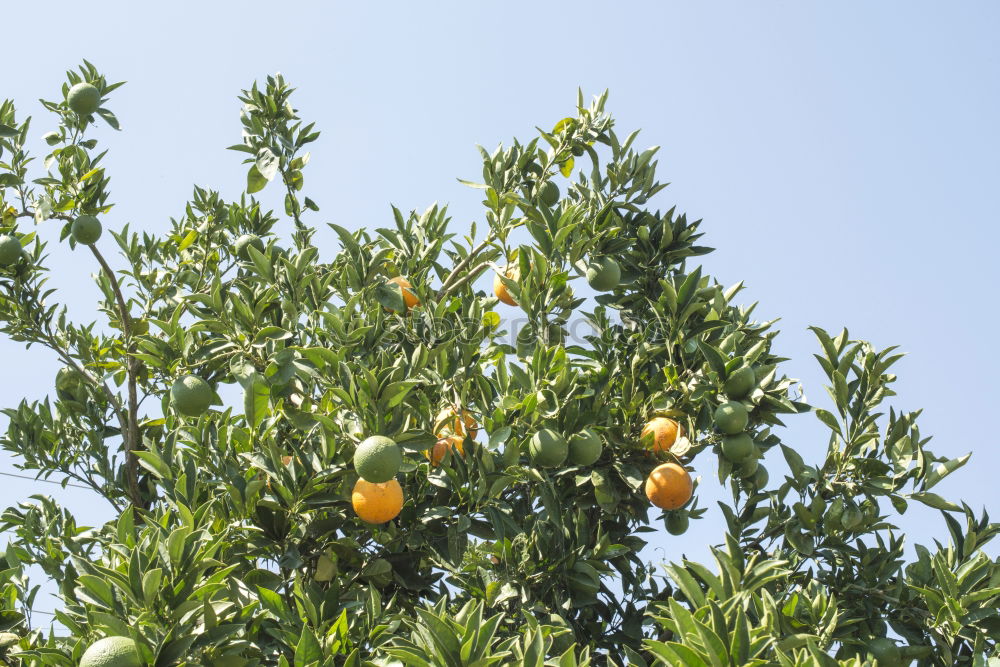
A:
(131, 433)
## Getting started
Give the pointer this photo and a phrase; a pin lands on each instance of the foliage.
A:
(235, 542)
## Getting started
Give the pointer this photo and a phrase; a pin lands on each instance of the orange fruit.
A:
(669, 486)
(286, 460)
(448, 422)
(437, 453)
(377, 503)
(513, 272)
(405, 288)
(660, 433)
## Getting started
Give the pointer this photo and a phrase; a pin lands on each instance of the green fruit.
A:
(748, 468)
(851, 518)
(834, 515)
(52, 138)
(740, 382)
(191, 396)
(885, 651)
(68, 379)
(677, 523)
(760, 478)
(548, 449)
(10, 250)
(111, 652)
(585, 448)
(377, 459)
(731, 417)
(737, 448)
(84, 98)
(604, 274)
(86, 229)
(245, 241)
(549, 194)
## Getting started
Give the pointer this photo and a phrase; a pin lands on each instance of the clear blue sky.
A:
(844, 156)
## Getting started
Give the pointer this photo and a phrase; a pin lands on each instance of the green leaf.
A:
(255, 180)
(935, 501)
(256, 400)
(6, 131)
(942, 469)
(308, 650)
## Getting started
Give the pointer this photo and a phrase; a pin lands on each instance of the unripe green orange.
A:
(84, 98)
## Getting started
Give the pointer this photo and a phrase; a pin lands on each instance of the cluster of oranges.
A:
(378, 500)
(377, 496)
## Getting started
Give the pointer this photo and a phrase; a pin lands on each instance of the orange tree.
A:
(507, 476)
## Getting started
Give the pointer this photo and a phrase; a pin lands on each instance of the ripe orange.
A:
(660, 433)
(377, 503)
(409, 298)
(669, 486)
(448, 423)
(437, 453)
(513, 272)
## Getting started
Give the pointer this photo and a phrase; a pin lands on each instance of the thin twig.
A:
(465, 262)
(132, 427)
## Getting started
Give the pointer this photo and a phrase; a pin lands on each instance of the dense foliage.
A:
(236, 542)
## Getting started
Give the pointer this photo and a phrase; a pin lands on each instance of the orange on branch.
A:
(502, 292)
(660, 433)
(455, 421)
(406, 289)
(436, 454)
(377, 503)
(669, 486)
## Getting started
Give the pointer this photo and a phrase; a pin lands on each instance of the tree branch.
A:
(461, 266)
(131, 434)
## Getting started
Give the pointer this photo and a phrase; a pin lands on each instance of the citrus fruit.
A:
(677, 523)
(740, 382)
(10, 250)
(748, 468)
(512, 272)
(834, 514)
(111, 652)
(86, 229)
(759, 479)
(68, 379)
(604, 274)
(247, 241)
(436, 454)
(669, 486)
(885, 651)
(549, 194)
(731, 417)
(547, 448)
(584, 448)
(405, 288)
(660, 433)
(737, 448)
(84, 98)
(377, 459)
(191, 395)
(377, 503)
(448, 422)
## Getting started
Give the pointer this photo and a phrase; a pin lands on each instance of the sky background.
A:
(844, 157)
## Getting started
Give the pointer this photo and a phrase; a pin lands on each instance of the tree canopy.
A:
(510, 468)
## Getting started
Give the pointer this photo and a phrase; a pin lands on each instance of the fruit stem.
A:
(131, 434)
